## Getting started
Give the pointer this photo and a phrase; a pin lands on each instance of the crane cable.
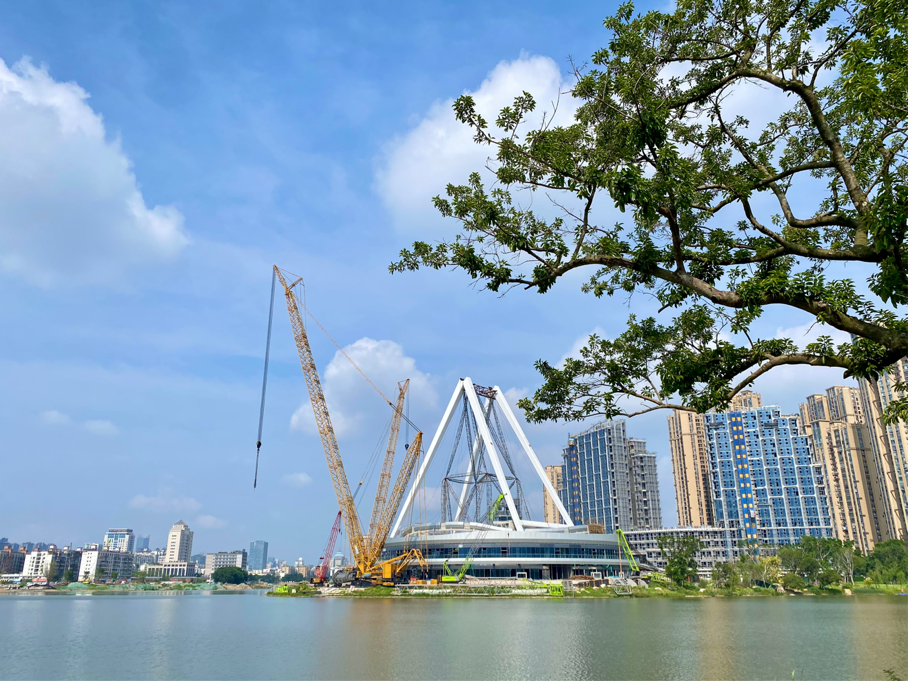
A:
(302, 303)
(355, 366)
(258, 442)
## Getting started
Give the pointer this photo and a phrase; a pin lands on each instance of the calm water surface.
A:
(249, 636)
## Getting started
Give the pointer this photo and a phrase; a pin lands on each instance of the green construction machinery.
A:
(623, 545)
(450, 576)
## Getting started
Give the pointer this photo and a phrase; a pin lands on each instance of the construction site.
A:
(456, 513)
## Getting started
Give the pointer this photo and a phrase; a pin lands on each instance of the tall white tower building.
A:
(179, 543)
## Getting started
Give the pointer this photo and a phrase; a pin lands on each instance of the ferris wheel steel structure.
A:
(465, 387)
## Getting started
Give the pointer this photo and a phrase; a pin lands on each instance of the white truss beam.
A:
(486, 434)
(470, 471)
(531, 455)
(430, 454)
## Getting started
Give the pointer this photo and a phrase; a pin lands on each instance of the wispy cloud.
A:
(209, 522)
(54, 418)
(97, 427)
(167, 500)
(296, 479)
(101, 427)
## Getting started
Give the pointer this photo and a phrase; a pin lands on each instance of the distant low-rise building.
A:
(149, 557)
(101, 563)
(720, 545)
(213, 561)
(11, 562)
(177, 569)
(38, 562)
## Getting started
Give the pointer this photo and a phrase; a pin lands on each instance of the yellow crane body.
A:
(323, 423)
(384, 479)
(366, 550)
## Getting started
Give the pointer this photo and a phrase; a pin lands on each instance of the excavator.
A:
(366, 548)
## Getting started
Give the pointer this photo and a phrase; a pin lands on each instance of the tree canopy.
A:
(229, 575)
(723, 219)
(680, 554)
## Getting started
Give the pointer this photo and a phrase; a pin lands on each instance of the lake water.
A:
(250, 636)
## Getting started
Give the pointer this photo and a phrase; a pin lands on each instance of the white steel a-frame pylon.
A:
(465, 387)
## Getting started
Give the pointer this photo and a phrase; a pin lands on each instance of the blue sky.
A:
(158, 158)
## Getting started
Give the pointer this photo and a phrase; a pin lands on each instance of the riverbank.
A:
(600, 592)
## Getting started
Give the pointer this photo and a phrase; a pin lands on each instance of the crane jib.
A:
(366, 550)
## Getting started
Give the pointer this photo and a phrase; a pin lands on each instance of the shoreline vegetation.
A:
(539, 590)
(526, 590)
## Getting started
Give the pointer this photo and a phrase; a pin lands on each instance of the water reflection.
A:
(251, 636)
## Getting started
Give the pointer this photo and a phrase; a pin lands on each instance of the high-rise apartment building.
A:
(549, 511)
(744, 400)
(610, 480)
(763, 478)
(842, 443)
(570, 481)
(890, 448)
(179, 544)
(844, 450)
(690, 468)
(597, 474)
(646, 511)
(258, 555)
(120, 539)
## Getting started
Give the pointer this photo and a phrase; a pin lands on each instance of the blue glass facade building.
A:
(596, 482)
(764, 479)
(258, 555)
(570, 482)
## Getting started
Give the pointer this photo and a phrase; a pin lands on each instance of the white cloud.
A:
(580, 343)
(70, 207)
(296, 479)
(512, 395)
(58, 418)
(439, 150)
(54, 418)
(808, 333)
(101, 427)
(351, 401)
(167, 500)
(209, 522)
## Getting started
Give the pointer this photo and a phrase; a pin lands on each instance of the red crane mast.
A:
(321, 571)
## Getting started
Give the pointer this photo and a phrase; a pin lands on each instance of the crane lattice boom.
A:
(321, 571)
(325, 429)
(384, 479)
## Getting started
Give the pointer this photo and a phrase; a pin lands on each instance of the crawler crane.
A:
(366, 549)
